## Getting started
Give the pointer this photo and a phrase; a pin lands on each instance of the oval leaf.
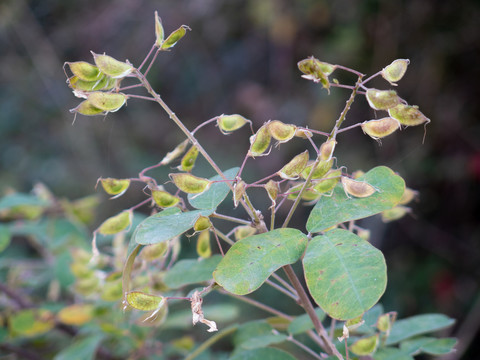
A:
(339, 208)
(186, 272)
(160, 227)
(345, 274)
(250, 261)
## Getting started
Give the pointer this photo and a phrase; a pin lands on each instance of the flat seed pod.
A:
(189, 183)
(77, 314)
(303, 133)
(116, 223)
(84, 70)
(280, 131)
(188, 160)
(395, 71)
(365, 346)
(174, 37)
(103, 83)
(356, 188)
(320, 170)
(327, 149)
(260, 142)
(408, 196)
(141, 301)
(204, 249)
(175, 153)
(244, 231)
(86, 108)
(159, 32)
(294, 168)
(273, 189)
(395, 213)
(107, 101)
(329, 182)
(316, 70)
(154, 251)
(229, 123)
(115, 187)
(238, 191)
(164, 199)
(408, 115)
(382, 99)
(202, 223)
(112, 67)
(380, 128)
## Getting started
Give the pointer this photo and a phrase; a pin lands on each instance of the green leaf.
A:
(186, 272)
(303, 322)
(217, 192)
(263, 354)
(19, 199)
(84, 349)
(344, 273)
(250, 261)
(163, 227)
(417, 325)
(338, 208)
(5, 237)
(256, 334)
(429, 345)
(389, 353)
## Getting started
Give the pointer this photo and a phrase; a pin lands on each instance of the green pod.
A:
(327, 184)
(395, 71)
(272, 189)
(260, 142)
(380, 128)
(280, 131)
(85, 71)
(86, 108)
(357, 188)
(316, 70)
(229, 123)
(115, 187)
(202, 223)
(188, 160)
(112, 67)
(327, 149)
(164, 199)
(408, 115)
(159, 32)
(174, 37)
(189, 183)
(204, 248)
(142, 301)
(107, 101)
(320, 170)
(382, 99)
(239, 189)
(294, 168)
(116, 224)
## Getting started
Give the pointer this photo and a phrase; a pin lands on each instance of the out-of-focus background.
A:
(240, 57)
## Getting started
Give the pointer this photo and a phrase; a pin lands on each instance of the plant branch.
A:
(304, 347)
(218, 336)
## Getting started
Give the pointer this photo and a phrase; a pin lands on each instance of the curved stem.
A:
(218, 336)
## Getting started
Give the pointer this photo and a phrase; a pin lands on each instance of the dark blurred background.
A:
(240, 57)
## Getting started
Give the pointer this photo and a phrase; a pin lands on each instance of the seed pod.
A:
(159, 32)
(380, 128)
(188, 160)
(294, 168)
(189, 183)
(107, 101)
(175, 153)
(395, 213)
(364, 234)
(164, 199)
(408, 195)
(259, 142)
(86, 108)
(238, 191)
(395, 71)
(154, 251)
(357, 188)
(145, 302)
(382, 99)
(229, 123)
(84, 70)
(103, 83)
(244, 231)
(327, 149)
(115, 187)
(365, 346)
(202, 223)
(116, 223)
(320, 170)
(280, 131)
(356, 174)
(174, 37)
(303, 133)
(273, 189)
(309, 194)
(328, 182)
(316, 71)
(408, 115)
(204, 249)
(112, 67)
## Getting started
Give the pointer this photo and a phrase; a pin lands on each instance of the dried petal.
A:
(197, 312)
